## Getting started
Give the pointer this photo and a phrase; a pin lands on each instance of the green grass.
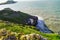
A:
(28, 30)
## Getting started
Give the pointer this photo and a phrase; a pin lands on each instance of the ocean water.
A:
(35, 6)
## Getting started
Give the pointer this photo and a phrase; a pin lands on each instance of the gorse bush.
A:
(6, 35)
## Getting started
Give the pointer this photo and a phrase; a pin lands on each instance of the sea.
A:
(35, 7)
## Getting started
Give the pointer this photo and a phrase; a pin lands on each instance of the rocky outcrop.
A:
(39, 23)
(8, 2)
(41, 26)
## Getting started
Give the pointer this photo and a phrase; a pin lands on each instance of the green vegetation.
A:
(19, 28)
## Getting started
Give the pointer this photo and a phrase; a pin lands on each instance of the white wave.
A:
(39, 18)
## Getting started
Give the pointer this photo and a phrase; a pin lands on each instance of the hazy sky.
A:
(17, 0)
(27, 0)
(22, 0)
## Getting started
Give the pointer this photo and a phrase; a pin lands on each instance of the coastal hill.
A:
(8, 14)
(13, 21)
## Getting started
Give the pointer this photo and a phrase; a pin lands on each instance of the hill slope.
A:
(13, 16)
(13, 21)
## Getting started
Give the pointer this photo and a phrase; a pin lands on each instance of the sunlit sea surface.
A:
(50, 7)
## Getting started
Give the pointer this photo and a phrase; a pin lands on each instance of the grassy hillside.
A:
(19, 28)
(15, 22)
